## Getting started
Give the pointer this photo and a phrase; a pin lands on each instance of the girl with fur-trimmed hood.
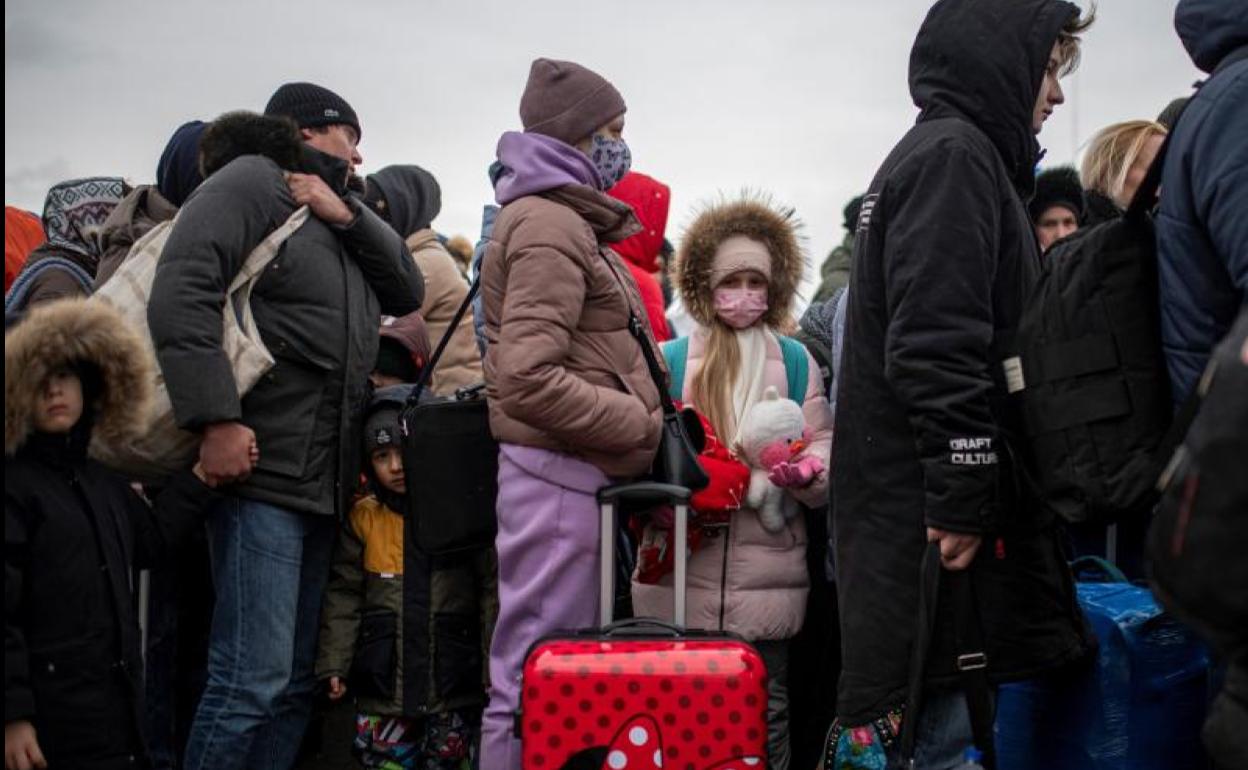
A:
(73, 532)
(737, 272)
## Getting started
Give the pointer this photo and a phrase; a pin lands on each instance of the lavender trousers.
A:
(547, 574)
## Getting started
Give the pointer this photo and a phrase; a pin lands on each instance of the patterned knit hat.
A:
(75, 210)
(311, 106)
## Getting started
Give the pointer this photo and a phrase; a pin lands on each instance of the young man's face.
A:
(388, 467)
(1055, 223)
(1050, 90)
(339, 140)
(59, 403)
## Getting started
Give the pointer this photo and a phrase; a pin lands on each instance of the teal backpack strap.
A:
(676, 354)
(796, 367)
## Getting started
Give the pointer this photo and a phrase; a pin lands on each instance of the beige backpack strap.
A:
(262, 255)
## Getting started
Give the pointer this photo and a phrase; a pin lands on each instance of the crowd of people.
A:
(280, 576)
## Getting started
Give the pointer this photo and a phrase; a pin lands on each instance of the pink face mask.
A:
(740, 308)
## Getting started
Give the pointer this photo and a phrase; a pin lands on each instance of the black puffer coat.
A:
(74, 534)
(944, 258)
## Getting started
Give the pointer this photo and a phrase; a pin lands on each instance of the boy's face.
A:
(59, 404)
(1050, 95)
(1055, 223)
(388, 467)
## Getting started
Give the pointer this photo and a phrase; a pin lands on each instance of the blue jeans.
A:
(944, 733)
(270, 566)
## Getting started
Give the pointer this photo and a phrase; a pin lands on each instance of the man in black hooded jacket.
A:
(944, 258)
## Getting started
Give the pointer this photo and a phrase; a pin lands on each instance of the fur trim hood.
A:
(754, 216)
(236, 134)
(77, 330)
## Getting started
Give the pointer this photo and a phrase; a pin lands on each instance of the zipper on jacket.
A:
(723, 578)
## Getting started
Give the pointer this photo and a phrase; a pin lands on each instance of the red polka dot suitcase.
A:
(643, 694)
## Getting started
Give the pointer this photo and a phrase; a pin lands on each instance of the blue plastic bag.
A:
(1137, 705)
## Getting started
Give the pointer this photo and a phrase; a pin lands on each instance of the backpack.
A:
(1089, 372)
(165, 448)
(796, 366)
(1199, 535)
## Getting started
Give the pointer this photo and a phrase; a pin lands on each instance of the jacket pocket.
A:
(84, 707)
(457, 654)
(296, 391)
(373, 667)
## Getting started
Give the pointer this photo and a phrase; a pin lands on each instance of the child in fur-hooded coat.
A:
(74, 531)
(737, 272)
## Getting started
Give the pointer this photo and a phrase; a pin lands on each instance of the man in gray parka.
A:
(317, 307)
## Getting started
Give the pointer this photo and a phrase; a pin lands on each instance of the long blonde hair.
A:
(711, 388)
(1112, 152)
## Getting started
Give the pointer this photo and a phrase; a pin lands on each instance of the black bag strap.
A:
(972, 664)
(929, 590)
(638, 331)
(427, 372)
(972, 660)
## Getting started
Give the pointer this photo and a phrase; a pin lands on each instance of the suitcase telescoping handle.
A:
(654, 493)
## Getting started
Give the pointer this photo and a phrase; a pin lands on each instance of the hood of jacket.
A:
(651, 201)
(178, 172)
(536, 163)
(412, 196)
(1211, 29)
(74, 214)
(236, 134)
(70, 332)
(142, 208)
(754, 217)
(983, 61)
(411, 332)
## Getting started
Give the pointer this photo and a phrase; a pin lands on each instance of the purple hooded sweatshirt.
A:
(534, 163)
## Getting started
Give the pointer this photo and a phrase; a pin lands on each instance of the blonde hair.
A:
(711, 388)
(1112, 152)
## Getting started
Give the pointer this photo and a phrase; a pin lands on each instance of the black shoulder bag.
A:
(676, 461)
(971, 661)
(450, 460)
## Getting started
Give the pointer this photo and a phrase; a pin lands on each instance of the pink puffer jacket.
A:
(750, 581)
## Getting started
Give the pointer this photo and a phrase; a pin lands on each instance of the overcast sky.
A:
(802, 99)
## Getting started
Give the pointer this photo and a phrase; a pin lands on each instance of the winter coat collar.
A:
(611, 220)
(983, 63)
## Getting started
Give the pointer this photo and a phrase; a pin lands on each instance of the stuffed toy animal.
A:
(774, 436)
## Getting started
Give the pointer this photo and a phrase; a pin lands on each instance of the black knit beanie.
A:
(1058, 186)
(311, 106)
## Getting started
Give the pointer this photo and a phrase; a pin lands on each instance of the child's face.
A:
(59, 404)
(388, 467)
